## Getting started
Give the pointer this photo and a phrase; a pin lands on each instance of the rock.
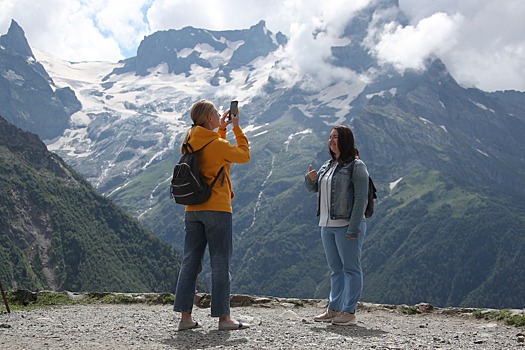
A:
(202, 300)
(24, 296)
(323, 304)
(152, 326)
(238, 300)
(289, 315)
(424, 307)
(75, 295)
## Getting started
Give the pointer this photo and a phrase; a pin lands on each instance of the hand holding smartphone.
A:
(234, 109)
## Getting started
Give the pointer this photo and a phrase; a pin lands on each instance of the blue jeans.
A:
(212, 229)
(344, 260)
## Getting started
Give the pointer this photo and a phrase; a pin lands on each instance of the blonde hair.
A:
(199, 112)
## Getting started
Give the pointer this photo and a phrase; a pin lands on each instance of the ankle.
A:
(186, 317)
(227, 319)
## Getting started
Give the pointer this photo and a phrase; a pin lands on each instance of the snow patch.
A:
(482, 106)
(290, 137)
(392, 91)
(480, 151)
(13, 77)
(261, 133)
(252, 127)
(426, 121)
(394, 184)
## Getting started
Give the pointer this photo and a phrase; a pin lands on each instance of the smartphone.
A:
(234, 109)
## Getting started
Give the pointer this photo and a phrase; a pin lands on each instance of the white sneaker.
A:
(344, 319)
(326, 316)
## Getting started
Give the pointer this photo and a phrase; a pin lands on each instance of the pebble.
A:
(286, 326)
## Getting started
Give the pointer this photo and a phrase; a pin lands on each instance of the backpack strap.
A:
(216, 177)
(371, 185)
(188, 147)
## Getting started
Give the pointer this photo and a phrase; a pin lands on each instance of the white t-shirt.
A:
(324, 210)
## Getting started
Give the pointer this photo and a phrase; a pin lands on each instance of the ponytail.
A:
(199, 112)
(186, 139)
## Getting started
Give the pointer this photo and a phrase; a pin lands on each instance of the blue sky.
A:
(482, 42)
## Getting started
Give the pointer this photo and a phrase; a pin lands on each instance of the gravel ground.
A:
(274, 326)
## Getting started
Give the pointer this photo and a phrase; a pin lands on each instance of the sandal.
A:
(184, 326)
(228, 326)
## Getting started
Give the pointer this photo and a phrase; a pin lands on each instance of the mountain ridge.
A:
(57, 233)
(30, 97)
(446, 160)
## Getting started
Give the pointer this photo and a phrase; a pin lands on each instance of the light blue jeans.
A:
(212, 229)
(344, 260)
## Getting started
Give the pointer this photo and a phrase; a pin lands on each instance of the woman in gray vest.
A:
(342, 189)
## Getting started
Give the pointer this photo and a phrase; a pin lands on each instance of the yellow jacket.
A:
(218, 153)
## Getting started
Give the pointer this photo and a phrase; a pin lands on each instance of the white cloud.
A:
(313, 31)
(124, 23)
(298, 19)
(408, 47)
(481, 42)
(489, 50)
(238, 14)
(64, 28)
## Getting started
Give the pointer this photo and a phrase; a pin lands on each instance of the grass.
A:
(52, 298)
(22, 300)
(409, 310)
(505, 316)
(502, 315)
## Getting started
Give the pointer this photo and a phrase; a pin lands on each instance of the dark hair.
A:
(346, 145)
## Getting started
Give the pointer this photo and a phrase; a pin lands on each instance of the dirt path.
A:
(279, 326)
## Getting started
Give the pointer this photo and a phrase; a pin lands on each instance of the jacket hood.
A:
(200, 137)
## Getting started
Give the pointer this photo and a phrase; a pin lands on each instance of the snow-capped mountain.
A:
(132, 114)
(448, 161)
(29, 98)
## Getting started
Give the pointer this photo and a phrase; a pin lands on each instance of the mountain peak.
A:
(15, 39)
(261, 24)
(180, 49)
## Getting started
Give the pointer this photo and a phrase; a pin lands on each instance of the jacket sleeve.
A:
(311, 186)
(239, 153)
(222, 133)
(360, 184)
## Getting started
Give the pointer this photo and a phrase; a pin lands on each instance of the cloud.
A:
(126, 25)
(61, 27)
(489, 49)
(312, 32)
(312, 29)
(481, 42)
(408, 47)
(217, 15)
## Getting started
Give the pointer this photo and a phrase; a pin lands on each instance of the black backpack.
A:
(369, 211)
(188, 187)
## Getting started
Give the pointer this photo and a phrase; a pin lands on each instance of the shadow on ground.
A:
(196, 339)
(350, 331)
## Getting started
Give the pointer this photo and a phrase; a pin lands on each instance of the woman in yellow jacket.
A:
(210, 223)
